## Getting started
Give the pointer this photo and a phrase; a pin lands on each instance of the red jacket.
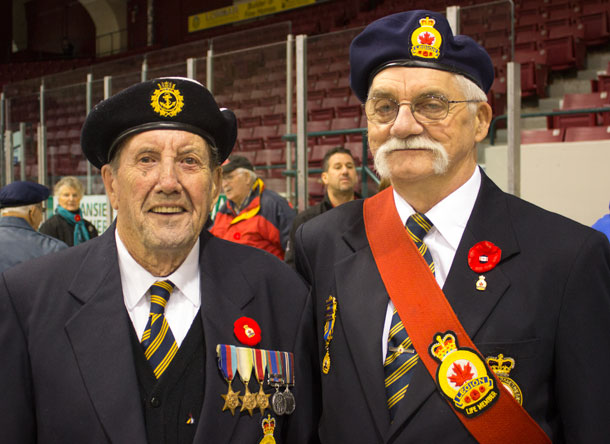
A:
(263, 223)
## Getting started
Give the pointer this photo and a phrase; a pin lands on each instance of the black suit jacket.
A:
(68, 373)
(547, 305)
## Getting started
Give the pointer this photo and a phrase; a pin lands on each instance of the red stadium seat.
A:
(542, 136)
(577, 134)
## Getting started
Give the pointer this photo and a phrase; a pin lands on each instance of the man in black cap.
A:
(21, 211)
(252, 214)
(509, 347)
(156, 331)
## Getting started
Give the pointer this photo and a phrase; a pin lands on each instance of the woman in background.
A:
(68, 224)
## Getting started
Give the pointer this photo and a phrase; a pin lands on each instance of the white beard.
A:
(441, 158)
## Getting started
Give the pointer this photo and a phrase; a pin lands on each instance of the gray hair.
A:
(22, 210)
(70, 181)
(471, 91)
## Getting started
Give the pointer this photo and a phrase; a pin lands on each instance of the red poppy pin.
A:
(77, 217)
(484, 256)
(247, 331)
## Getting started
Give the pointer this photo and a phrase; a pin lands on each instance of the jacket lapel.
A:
(221, 300)
(355, 299)
(99, 334)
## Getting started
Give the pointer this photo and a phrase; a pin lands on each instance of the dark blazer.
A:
(59, 228)
(547, 305)
(68, 372)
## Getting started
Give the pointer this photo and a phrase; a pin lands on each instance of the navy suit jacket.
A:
(547, 305)
(68, 373)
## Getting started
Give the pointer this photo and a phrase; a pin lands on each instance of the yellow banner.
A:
(242, 11)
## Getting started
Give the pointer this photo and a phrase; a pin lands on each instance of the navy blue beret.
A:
(166, 103)
(18, 194)
(418, 39)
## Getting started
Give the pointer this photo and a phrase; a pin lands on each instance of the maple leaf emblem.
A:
(426, 38)
(461, 374)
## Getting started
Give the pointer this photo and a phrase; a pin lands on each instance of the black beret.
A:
(237, 162)
(18, 194)
(418, 39)
(166, 103)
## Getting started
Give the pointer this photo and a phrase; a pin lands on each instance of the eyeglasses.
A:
(425, 109)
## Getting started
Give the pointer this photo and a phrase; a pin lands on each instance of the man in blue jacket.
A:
(21, 211)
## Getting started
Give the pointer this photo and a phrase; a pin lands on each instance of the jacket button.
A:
(155, 402)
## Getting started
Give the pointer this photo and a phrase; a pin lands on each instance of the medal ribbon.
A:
(288, 367)
(275, 363)
(227, 360)
(244, 364)
(260, 365)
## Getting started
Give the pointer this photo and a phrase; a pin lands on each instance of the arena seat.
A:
(583, 133)
(542, 135)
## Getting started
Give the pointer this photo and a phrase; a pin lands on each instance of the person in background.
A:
(68, 224)
(21, 211)
(252, 215)
(340, 180)
(447, 310)
(156, 331)
(603, 225)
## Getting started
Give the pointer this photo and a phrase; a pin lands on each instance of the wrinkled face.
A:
(69, 198)
(236, 185)
(341, 175)
(163, 188)
(415, 151)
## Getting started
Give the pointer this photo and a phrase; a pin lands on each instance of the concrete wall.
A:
(572, 179)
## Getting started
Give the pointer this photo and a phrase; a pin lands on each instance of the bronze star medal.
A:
(231, 400)
(262, 400)
(227, 363)
(245, 359)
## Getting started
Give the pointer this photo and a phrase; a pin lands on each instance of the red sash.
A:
(425, 311)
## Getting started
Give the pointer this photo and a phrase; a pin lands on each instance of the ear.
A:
(109, 179)
(482, 121)
(215, 186)
(324, 178)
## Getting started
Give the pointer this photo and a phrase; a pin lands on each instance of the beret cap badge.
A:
(166, 100)
(425, 40)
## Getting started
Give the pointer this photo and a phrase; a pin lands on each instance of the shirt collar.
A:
(137, 280)
(451, 214)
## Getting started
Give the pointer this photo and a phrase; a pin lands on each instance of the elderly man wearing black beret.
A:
(21, 211)
(447, 310)
(156, 331)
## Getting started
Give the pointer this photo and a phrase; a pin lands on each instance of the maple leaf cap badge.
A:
(426, 40)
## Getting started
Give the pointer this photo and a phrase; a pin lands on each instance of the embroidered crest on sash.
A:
(462, 376)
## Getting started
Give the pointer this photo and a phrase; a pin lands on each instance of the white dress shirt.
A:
(449, 218)
(184, 302)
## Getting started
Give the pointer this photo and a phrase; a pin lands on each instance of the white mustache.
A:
(441, 158)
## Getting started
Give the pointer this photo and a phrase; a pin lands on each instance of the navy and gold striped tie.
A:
(158, 341)
(401, 356)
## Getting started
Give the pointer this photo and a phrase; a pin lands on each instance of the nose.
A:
(168, 181)
(405, 124)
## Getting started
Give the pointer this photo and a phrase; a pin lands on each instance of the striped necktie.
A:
(158, 341)
(401, 356)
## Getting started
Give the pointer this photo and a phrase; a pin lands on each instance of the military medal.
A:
(462, 376)
(227, 363)
(502, 366)
(244, 367)
(260, 366)
(329, 325)
(288, 366)
(276, 379)
(268, 426)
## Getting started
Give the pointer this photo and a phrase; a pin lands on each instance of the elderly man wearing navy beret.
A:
(447, 310)
(156, 331)
(21, 211)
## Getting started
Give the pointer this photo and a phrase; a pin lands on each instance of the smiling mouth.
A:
(167, 210)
